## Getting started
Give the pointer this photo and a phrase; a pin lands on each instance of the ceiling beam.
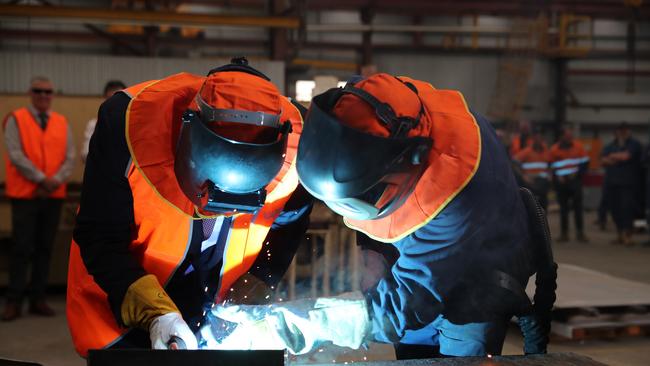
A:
(86, 15)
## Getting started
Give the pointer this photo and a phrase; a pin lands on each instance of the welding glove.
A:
(298, 326)
(146, 305)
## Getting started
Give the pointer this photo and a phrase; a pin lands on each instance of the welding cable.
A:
(535, 324)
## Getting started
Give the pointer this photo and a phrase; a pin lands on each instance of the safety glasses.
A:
(42, 91)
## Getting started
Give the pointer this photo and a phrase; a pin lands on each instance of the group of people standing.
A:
(562, 167)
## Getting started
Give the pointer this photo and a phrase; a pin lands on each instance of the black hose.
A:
(535, 325)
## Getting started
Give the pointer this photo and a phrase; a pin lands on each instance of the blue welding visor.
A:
(222, 174)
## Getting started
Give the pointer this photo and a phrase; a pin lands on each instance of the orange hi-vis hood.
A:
(452, 163)
(163, 215)
(46, 149)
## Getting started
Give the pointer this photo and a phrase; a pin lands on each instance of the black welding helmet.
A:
(220, 166)
(361, 175)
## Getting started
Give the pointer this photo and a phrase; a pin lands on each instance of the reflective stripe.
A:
(566, 171)
(566, 162)
(535, 165)
(541, 175)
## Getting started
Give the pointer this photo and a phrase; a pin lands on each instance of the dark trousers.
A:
(34, 227)
(569, 196)
(603, 206)
(623, 204)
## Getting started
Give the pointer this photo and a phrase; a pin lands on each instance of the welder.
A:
(190, 185)
(413, 169)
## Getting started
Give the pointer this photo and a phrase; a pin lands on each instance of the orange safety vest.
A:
(515, 144)
(566, 162)
(163, 214)
(533, 162)
(452, 163)
(46, 149)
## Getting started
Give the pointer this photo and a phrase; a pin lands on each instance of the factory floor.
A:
(47, 341)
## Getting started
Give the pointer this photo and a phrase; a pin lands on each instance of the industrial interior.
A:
(381, 223)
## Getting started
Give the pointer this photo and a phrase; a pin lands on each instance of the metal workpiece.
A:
(565, 359)
(145, 357)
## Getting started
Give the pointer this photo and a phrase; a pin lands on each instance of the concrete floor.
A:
(47, 341)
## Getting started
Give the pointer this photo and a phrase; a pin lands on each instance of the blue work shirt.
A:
(436, 288)
(624, 173)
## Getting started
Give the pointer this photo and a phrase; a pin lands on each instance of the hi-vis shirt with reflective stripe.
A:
(568, 160)
(568, 166)
(536, 168)
(533, 162)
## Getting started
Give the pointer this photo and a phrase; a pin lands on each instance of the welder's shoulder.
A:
(109, 134)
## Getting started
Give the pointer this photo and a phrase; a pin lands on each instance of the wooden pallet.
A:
(592, 304)
(600, 329)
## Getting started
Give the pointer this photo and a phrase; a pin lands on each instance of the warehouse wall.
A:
(75, 74)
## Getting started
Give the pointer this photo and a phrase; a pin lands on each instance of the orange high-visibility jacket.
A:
(515, 144)
(163, 214)
(534, 163)
(44, 148)
(566, 162)
(452, 163)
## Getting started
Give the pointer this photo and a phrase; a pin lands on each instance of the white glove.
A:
(299, 326)
(171, 324)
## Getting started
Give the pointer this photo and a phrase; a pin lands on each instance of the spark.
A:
(206, 289)
(489, 355)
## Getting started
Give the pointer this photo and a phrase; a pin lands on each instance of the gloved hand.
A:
(171, 324)
(146, 305)
(299, 326)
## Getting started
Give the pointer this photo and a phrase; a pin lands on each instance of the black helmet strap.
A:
(398, 126)
(239, 64)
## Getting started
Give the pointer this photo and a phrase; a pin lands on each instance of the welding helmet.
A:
(360, 154)
(231, 147)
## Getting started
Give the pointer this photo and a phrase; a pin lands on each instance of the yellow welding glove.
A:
(145, 300)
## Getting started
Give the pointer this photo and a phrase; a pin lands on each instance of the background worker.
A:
(413, 169)
(622, 161)
(522, 139)
(569, 162)
(110, 88)
(533, 165)
(40, 158)
(199, 196)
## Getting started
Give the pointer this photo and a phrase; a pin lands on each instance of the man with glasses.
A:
(40, 158)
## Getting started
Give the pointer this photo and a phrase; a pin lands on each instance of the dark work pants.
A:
(34, 227)
(603, 206)
(569, 196)
(623, 204)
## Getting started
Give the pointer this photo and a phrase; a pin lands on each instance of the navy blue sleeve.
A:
(411, 296)
(283, 239)
(104, 223)
(607, 150)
